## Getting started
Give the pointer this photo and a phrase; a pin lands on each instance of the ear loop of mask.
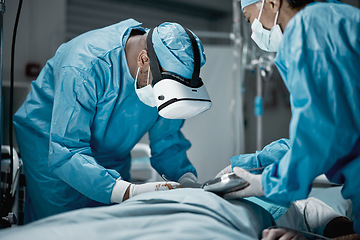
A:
(136, 77)
(262, 7)
(137, 74)
(276, 17)
(147, 83)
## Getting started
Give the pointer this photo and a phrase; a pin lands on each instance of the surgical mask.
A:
(145, 94)
(266, 40)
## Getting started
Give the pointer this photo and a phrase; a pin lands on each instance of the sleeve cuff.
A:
(316, 214)
(119, 190)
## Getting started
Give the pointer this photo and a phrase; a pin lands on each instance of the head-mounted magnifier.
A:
(177, 97)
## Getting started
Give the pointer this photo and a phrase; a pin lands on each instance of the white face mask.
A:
(145, 94)
(266, 40)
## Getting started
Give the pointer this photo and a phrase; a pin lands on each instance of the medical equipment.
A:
(13, 197)
(263, 66)
(10, 163)
(2, 11)
(226, 183)
(177, 97)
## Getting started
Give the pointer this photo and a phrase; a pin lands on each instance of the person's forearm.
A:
(127, 193)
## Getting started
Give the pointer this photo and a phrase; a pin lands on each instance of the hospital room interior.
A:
(251, 108)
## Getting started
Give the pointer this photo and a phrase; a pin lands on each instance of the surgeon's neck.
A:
(134, 45)
(286, 13)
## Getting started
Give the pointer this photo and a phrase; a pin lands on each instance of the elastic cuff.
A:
(187, 177)
(317, 214)
(119, 190)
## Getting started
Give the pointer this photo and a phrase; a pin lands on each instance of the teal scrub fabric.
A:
(80, 121)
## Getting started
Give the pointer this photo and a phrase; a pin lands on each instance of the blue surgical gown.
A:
(80, 121)
(319, 61)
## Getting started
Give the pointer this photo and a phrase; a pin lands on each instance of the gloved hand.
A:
(124, 190)
(282, 233)
(254, 189)
(189, 180)
(226, 170)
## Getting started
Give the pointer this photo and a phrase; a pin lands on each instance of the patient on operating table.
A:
(182, 213)
(302, 218)
(310, 215)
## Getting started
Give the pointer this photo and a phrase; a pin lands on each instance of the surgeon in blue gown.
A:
(318, 57)
(83, 116)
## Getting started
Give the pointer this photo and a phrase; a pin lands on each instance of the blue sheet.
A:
(175, 214)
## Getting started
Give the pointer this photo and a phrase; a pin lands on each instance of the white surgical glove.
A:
(189, 180)
(226, 170)
(254, 189)
(123, 190)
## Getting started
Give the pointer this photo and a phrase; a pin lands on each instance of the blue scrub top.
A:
(319, 61)
(80, 121)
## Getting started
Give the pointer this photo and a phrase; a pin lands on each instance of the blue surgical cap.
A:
(173, 48)
(245, 3)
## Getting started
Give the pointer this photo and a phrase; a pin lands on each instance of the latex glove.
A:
(254, 189)
(189, 180)
(124, 190)
(226, 170)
